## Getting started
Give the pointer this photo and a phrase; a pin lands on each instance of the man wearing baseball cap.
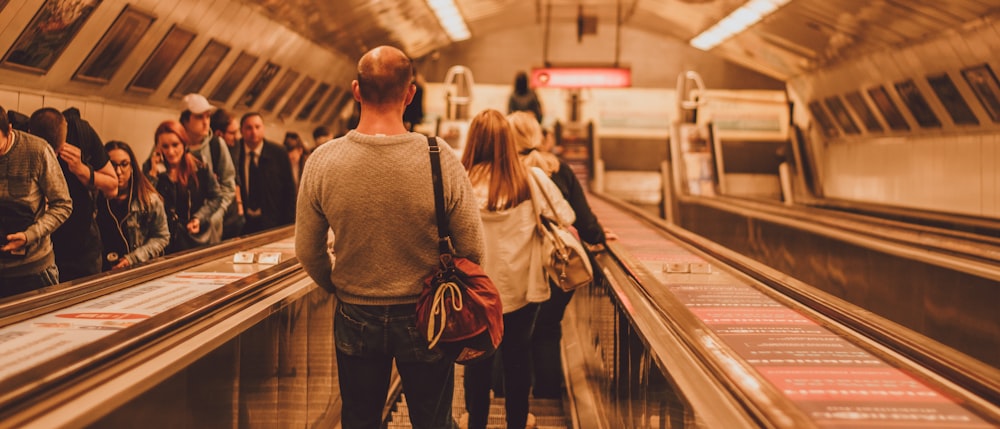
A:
(196, 119)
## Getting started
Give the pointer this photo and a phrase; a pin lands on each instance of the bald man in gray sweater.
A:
(373, 188)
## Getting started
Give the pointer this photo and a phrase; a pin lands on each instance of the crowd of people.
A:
(211, 176)
(372, 187)
(201, 183)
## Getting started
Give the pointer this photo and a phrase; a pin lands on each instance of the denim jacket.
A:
(146, 231)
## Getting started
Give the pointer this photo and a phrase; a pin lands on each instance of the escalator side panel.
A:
(951, 307)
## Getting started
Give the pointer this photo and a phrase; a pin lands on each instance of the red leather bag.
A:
(459, 309)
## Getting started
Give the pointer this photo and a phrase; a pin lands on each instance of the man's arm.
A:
(311, 229)
(103, 178)
(53, 187)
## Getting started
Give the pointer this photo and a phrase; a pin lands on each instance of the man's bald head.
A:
(384, 75)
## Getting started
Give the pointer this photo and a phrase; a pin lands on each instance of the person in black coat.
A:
(264, 174)
(545, 347)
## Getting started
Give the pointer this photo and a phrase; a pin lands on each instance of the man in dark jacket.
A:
(85, 164)
(265, 174)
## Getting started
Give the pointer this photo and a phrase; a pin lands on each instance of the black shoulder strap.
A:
(214, 146)
(444, 235)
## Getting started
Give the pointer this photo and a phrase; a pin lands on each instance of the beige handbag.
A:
(564, 260)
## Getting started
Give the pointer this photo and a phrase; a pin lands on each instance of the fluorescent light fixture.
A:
(450, 18)
(747, 15)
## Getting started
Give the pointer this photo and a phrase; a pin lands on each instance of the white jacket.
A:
(513, 257)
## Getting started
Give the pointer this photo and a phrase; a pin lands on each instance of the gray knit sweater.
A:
(376, 193)
(32, 178)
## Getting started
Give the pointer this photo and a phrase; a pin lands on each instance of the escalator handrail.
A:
(31, 304)
(33, 383)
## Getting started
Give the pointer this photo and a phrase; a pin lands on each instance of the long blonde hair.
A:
(490, 155)
(527, 136)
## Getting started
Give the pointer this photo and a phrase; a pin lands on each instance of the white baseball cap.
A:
(197, 104)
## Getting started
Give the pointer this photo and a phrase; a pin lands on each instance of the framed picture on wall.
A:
(826, 125)
(236, 73)
(202, 68)
(297, 96)
(915, 101)
(323, 110)
(116, 44)
(984, 84)
(888, 108)
(836, 107)
(307, 109)
(280, 91)
(163, 59)
(47, 35)
(860, 107)
(260, 83)
(952, 100)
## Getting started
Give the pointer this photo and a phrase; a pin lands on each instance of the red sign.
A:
(581, 77)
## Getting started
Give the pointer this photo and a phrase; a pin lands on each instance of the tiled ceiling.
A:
(800, 37)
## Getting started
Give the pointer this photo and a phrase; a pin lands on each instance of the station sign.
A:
(581, 77)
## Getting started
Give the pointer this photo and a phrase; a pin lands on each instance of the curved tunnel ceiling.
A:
(802, 36)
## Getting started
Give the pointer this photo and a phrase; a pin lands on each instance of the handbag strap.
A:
(541, 189)
(444, 234)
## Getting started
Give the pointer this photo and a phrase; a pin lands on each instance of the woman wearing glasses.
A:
(133, 224)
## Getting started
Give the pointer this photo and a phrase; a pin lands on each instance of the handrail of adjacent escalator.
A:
(977, 382)
(722, 389)
(32, 384)
(20, 307)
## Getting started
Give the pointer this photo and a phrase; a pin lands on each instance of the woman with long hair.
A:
(504, 190)
(189, 189)
(133, 224)
(546, 350)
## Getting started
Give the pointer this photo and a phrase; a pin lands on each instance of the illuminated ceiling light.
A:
(450, 19)
(747, 15)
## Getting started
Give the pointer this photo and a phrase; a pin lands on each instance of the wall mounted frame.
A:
(280, 91)
(857, 103)
(839, 112)
(826, 125)
(202, 68)
(236, 73)
(952, 100)
(45, 38)
(915, 101)
(888, 108)
(163, 59)
(984, 84)
(310, 106)
(297, 96)
(116, 45)
(260, 83)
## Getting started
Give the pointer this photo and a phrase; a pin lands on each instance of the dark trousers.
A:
(515, 355)
(10, 286)
(546, 352)
(368, 339)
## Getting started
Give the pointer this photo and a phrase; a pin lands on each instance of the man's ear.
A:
(410, 93)
(356, 91)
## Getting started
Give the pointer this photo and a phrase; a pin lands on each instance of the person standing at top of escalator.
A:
(87, 170)
(267, 186)
(133, 224)
(523, 98)
(34, 202)
(189, 189)
(374, 188)
(546, 351)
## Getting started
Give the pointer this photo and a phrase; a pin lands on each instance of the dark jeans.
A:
(10, 286)
(546, 352)
(368, 338)
(515, 355)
